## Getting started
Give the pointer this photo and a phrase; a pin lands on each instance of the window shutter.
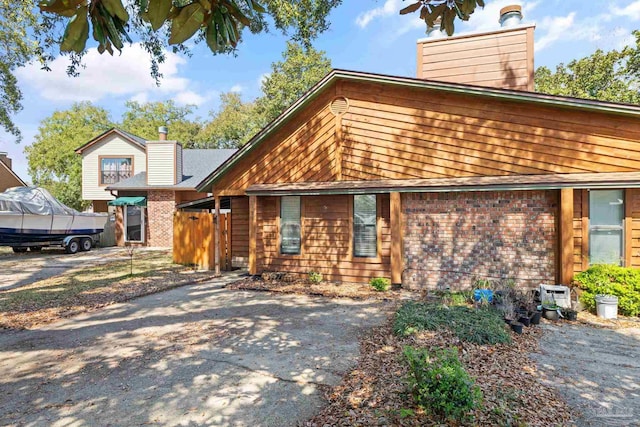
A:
(365, 234)
(290, 225)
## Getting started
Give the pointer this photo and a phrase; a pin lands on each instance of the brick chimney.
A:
(5, 159)
(501, 58)
(164, 160)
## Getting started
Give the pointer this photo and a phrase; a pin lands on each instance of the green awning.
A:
(129, 200)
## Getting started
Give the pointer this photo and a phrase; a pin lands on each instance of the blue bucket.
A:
(483, 295)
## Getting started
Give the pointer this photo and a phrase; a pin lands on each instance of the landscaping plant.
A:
(478, 326)
(315, 277)
(439, 383)
(604, 279)
(380, 284)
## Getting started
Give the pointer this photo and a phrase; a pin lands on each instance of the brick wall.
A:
(160, 207)
(452, 239)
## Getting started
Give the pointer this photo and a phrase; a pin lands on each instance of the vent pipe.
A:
(510, 16)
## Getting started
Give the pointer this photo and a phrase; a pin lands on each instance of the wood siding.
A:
(302, 150)
(392, 132)
(161, 163)
(240, 231)
(500, 59)
(112, 146)
(326, 240)
(633, 201)
(580, 233)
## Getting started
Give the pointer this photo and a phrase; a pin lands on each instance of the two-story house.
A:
(142, 183)
(8, 177)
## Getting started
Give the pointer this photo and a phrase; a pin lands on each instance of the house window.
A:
(290, 225)
(365, 233)
(114, 170)
(606, 226)
(133, 223)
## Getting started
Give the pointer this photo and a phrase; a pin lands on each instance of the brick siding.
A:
(452, 239)
(160, 208)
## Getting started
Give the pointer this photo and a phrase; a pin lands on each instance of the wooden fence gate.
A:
(194, 243)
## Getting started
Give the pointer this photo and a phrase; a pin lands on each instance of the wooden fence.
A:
(193, 241)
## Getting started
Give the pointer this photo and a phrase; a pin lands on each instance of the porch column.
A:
(566, 236)
(216, 236)
(253, 233)
(396, 238)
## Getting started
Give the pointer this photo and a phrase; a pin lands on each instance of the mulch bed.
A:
(326, 289)
(374, 393)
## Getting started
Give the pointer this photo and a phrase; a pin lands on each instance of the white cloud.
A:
(262, 78)
(238, 88)
(105, 75)
(189, 97)
(557, 27)
(141, 98)
(631, 11)
(389, 8)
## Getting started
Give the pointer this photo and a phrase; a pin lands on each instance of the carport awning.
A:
(129, 200)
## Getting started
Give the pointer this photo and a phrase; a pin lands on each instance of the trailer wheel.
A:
(86, 244)
(35, 248)
(19, 249)
(72, 247)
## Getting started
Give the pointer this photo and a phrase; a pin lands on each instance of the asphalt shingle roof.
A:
(196, 165)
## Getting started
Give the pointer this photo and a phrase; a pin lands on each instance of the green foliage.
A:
(315, 277)
(611, 280)
(448, 11)
(380, 284)
(455, 298)
(143, 120)
(606, 76)
(478, 326)
(440, 385)
(53, 163)
(232, 125)
(300, 69)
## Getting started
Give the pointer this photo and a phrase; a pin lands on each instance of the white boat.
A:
(30, 216)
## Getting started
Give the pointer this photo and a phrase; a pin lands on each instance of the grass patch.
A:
(80, 290)
(478, 326)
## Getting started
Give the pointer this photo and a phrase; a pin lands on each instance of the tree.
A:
(300, 69)
(53, 163)
(606, 76)
(144, 119)
(232, 125)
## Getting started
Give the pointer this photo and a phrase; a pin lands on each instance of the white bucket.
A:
(607, 306)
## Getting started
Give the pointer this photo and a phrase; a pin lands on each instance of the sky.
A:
(365, 35)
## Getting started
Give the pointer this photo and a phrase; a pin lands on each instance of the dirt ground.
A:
(597, 370)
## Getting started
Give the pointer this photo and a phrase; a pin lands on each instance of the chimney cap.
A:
(163, 129)
(510, 15)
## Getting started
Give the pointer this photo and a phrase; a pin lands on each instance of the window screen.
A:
(365, 235)
(606, 226)
(290, 225)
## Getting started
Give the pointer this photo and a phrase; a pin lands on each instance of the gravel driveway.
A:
(196, 355)
(22, 269)
(597, 370)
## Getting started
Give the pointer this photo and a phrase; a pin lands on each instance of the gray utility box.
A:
(557, 293)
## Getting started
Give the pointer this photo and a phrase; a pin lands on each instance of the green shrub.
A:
(380, 284)
(315, 277)
(439, 383)
(479, 326)
(611, 280)
(455, 298)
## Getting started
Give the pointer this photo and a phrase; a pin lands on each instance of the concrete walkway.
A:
(197, 355)
(596, 370)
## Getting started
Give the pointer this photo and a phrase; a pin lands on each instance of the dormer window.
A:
(115, 169)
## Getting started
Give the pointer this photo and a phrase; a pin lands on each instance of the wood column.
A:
(566, 236)
(396, 238)
(216, 234)
(253, 234)
(628, 226)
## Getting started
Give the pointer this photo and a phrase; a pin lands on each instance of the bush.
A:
(478, 326)
(380, 284)
(439, 383)
(611, 280)
(315, 277)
